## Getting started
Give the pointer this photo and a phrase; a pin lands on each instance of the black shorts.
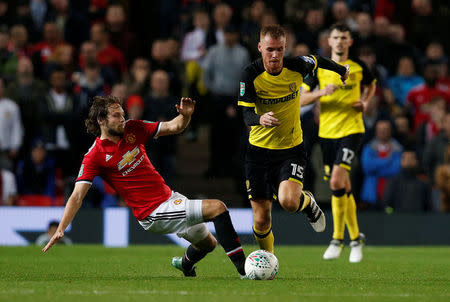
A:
(265, 169)
(339, 151)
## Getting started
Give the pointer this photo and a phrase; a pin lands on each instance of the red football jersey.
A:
(126, 167)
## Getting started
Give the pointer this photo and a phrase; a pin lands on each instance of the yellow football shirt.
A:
(280, 94)
(337, 116)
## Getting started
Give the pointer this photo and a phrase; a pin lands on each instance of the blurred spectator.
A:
(324, 48)
(309, 32)
(380, 161)
(70, 22)
(119, 35)
(435, 53)
(107, 54)
(434, 153)
(160, 60)
(221, 18)
(395, 48)
(268, 18)
(18, 41)
(11, 130)
(119, 90)
(372, 114)
(250, 27)
(406, 192)
(405, 79)
(5, 16)
(421, 95)
(291, 42)
(442, 180)
(58, 114)
(8, 59)
(89, 53)
(23, 17)
(365, 27)
(62, 56)
(90, 84)
(138, 78)
(38, 11)
(369, 57)
(403, 133)
(340, 13)
(301, 49)
(28, 92)
(36, 173)
(44, 238)
(135, 107)
(222, 66)
(430, 128)
(160, 106)
(43, 49)
(194, 44)
(8, 188)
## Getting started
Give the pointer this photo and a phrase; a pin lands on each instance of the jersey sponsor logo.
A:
(108, 157)
(308, 59)
(293, 87)
(80, 173)
(278, 100)
(242, 89)
(177, 202)
(128, 158)
(130, 138)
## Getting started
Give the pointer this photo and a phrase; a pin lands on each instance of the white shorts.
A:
(178, 215)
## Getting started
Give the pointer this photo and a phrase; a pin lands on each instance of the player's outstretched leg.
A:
(309, 206)
(214, 210)
(196, 251)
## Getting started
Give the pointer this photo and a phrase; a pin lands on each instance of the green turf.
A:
(143, 273)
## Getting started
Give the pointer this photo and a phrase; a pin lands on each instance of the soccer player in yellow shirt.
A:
(275, 159)
(341, 130)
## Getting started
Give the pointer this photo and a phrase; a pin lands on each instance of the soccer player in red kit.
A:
(118, 155)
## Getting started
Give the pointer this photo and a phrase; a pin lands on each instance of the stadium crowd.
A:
(56, 55)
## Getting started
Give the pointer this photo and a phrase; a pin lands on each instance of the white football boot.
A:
(315, 215)
(334, 250)
(356, 246)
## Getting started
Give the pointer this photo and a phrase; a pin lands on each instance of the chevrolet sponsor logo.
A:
(128, 158)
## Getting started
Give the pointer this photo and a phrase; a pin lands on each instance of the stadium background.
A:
(55, 55)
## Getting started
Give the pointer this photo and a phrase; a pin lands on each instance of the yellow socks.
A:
(350, 217)
(338, 208)
(264, 238)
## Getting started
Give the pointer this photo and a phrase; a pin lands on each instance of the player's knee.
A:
(218, 207)
(262, 222)
(289, 202)
(336, 183)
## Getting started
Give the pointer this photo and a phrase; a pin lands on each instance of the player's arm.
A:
(366, 95)
(179, 123)
(329, 64)
(252, 119)
(309, 97)
(72, 207)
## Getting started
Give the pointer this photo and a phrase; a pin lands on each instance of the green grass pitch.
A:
(143, 273)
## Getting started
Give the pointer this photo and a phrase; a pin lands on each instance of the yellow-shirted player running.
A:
(341, 130)
(275, 158)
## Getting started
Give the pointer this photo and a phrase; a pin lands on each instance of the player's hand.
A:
(359, 106)
(186, 107)
(55, 238)
(345, 76)
(329, 89)
(268, 120)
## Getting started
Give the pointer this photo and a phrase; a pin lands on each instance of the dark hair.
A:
(342, 27)
(274, 30)
(53, 223)
(99, 110)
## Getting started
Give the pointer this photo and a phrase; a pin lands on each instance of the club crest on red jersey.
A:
(130, 138)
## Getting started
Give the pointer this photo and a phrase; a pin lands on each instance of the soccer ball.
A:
(261, 265)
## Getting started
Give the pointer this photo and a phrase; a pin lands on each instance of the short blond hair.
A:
(275, 31)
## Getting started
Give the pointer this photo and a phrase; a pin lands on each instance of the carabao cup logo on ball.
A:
(261, 265)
